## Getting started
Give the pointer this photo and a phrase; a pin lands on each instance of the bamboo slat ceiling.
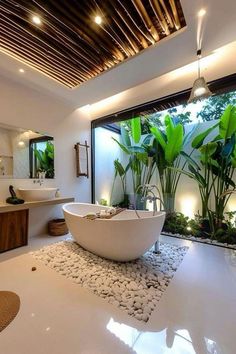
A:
(69, 47)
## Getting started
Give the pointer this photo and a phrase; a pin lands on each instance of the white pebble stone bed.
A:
(135, 287)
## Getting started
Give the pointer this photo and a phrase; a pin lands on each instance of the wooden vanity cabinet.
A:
(13, 229)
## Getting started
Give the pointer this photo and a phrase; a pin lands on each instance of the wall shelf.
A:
(4, 207)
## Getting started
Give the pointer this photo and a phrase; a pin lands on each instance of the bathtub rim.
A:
(159, 213)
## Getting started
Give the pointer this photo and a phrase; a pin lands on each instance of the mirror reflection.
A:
(25, 153)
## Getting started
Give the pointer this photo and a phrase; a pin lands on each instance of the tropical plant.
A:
(215, 106)
(140, 162)
(219, 159)
(45, 159)
(183, 116)
(103, 202)
(168, 145)
(176, 223)
(218, 163)
(120, 171)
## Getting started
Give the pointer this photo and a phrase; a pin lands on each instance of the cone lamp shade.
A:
(200, 90)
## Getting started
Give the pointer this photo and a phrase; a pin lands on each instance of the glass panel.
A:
(121, 181)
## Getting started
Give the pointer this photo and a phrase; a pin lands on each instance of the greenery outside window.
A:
(41, 152)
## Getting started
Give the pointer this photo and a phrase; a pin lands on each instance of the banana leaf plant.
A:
(120, 171)
(218, 158)
(45, 160)
(168, 145)
(139, 161)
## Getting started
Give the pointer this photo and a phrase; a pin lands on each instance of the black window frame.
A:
(218, 86)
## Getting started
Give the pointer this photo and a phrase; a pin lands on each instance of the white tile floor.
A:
(197, 313)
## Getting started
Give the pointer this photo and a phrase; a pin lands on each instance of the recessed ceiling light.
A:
(36, 20)
(201, 13)
(21, 71)
(98, 20)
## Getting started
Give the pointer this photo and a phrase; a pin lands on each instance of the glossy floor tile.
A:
(196, 314)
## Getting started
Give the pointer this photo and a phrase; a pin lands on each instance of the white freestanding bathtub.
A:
(122, 238)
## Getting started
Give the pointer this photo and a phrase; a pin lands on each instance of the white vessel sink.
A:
(37, 194)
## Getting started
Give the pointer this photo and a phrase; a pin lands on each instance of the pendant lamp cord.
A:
(199, 55)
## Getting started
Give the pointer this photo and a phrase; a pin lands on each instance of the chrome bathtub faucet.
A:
(39, 181)
(149, 195)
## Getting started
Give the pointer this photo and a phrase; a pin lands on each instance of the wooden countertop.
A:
(4, 207)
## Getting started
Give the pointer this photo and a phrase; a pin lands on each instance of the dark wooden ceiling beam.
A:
(69, 47)
(48, 49)
(121, 24)
(146, 19)
(146, 34)
(19, 53)
(175, 14)
(159, 14)
(52, 21)
(167, 13)
(87, 58)
(125, 18)
(73, 15)
(45, 57)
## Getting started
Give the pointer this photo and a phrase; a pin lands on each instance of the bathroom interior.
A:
(117, 176)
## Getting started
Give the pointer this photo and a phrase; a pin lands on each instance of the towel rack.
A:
(82, 165)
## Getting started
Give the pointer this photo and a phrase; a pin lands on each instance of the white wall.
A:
(219, 64)
(106, 151)
(30, 109)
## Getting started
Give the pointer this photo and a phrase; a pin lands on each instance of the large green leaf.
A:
(122, 146)
(148, 139)
(233, 157)
(233, 161)
(228, 122)
(169, 127)
(136, 129)
(210, 162)
(228, 147)
(199, 139)
(119, 168)
(49, 147)
(175, 144)
(51, 155)
(136, 149)
(125, 135)
(197, 175)
(159, 136)
(143, 157)
(208, 149)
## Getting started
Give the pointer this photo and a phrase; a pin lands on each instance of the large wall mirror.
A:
(25, 153)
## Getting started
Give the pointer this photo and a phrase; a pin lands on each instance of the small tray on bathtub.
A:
(98, 216)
